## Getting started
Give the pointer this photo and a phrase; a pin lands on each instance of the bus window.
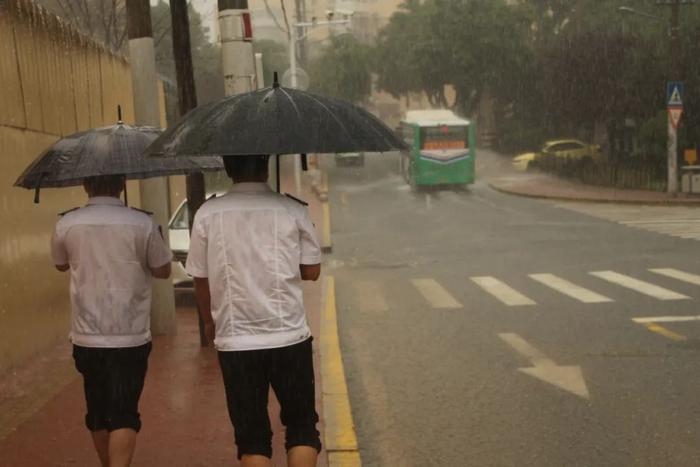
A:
(444, 137)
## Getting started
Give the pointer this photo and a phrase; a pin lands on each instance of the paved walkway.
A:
(183, 406)
(538, 185)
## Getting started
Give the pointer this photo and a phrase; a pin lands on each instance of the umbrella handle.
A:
(277, 171)
(304, 163)
(37, 188)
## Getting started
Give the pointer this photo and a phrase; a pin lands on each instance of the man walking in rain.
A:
(112, 252)
(249, 252)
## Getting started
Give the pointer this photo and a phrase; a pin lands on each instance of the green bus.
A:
(442, 148)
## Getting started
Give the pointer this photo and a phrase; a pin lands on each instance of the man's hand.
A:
(203, 296)
(209, 332)
(310, 272)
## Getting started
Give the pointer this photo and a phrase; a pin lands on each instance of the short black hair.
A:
(246, 167)
(105, 185)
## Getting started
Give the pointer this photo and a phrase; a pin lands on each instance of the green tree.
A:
(343, 70)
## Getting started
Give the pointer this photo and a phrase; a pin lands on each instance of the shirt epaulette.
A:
(296, 199)
(61, 214)
(141, 210)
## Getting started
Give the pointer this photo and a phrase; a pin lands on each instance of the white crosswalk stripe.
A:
(502, 291)
(572, 290)
(435, 294)
(370, 296)
(676, 221)
(640, 286)
(676, 274)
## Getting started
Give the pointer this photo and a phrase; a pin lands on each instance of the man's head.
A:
(251, 168)
(104, 185)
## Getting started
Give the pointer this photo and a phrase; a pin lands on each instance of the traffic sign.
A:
(690, 156)
(674, 115)
(674, 94)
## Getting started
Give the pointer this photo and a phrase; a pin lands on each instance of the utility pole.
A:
(187, 100)
(154, 192)
(237, 56)
(675, 75)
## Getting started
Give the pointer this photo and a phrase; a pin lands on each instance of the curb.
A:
(326, 240)
(340, 439)
(668, 202)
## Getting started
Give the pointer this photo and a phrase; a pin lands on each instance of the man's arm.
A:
(310, 272)
(162, 272)
(203, 296)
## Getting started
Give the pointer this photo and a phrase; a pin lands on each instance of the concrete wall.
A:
(53, 82)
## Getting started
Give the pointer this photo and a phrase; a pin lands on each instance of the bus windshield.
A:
(444, 137)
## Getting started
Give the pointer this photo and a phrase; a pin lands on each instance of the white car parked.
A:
(179, 236)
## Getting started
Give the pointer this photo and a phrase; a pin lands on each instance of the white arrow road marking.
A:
(676, 274)
(642, 287)
(568, 378)
(502, 291)
(572, 290)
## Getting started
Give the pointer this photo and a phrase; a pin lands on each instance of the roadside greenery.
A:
(343, 70)
(552, 68)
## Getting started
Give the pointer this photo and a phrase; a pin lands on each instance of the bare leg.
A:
(101, 441)
(302, 456)
(255, 461)
(121, 447)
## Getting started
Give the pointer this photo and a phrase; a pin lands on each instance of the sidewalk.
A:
(183, 406)
(538, 185)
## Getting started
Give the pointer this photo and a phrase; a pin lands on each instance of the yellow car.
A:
(566, 148)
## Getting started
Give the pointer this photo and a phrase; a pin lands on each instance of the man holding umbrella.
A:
(112, 252)
(250, 249)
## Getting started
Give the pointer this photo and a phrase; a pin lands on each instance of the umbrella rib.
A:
(330, 113)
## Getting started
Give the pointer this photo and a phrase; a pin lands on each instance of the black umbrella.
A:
(112, 150)
(276, 121)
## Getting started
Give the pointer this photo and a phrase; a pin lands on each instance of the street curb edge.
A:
(507, 191)
(340, 439)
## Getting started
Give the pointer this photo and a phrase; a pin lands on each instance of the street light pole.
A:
(675, 75)
(297, 28)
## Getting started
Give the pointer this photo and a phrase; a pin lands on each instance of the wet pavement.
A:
(183, 406)
(482, 329)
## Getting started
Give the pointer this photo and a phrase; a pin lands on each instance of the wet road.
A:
(480, 329)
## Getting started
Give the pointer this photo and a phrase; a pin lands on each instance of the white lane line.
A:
(665, 319)
(501, 291)
(572, 290)
(662, 221)
(435, 293)
(370, 296)
(676, 274)
(637, 285)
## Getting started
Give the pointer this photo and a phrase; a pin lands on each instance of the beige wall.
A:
(53, 83)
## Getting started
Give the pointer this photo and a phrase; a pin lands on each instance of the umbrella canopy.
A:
(276, 120)
(112, 150)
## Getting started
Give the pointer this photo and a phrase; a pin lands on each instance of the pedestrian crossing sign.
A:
(674, 94)
(674, 115)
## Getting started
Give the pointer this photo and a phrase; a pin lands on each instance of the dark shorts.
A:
(248, 376)
(113, 380)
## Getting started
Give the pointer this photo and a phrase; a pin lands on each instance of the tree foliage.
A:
(343, 70)
(551, 67)
(105, 22)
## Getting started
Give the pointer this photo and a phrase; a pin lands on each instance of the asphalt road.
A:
(456, 356)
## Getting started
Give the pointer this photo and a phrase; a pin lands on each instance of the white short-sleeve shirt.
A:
(110, 249)
(250, 243)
